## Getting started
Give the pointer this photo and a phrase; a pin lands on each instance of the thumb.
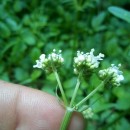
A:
(24, 108)
(77, 122)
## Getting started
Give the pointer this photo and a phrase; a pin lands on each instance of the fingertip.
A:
(77, 122)
(34, 109)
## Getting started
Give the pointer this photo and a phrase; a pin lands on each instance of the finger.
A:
(23, 108)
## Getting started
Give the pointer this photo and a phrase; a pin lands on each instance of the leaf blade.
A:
(120, 13)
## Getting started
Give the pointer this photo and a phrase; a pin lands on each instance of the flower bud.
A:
(47, 63)
(86, 62)
(113, 73)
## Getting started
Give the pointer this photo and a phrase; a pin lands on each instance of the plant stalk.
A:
(61, 88)
(75, 92)
(66, 119)
(89, 95)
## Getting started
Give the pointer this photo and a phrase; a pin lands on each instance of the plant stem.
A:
(75, 92)
(69, 110)
(89, 95)
(66, 119)
(61, 88)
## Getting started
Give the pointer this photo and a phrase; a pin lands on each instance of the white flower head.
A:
(114, 73)
(54, 59)
(87, 61)
(88, 113)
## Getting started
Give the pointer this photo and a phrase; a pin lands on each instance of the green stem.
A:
(89, 95)
(66, 119)
(75, 92)
(61, 88)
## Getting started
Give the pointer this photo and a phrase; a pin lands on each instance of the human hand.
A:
(23, 108)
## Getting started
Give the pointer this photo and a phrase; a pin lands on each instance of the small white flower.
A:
(75, 71)
(42, 57)
(76, 60)
(53, 59)
(54, 50)
(60, 51)
(61, 59)
(81, 58)
(120, 78)
(114, 73)
(54, 55)
(87, 61)
(88, 113)
(38, 65)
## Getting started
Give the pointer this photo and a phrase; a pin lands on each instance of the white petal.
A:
(81, 57)
(54, 50)
(38, 65)
(53, 55)
(76, 60)
(42, 57)
(120, 77)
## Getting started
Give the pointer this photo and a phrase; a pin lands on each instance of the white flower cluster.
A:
(88, 113)
(86, 61)
(114, 73)
(53, 60)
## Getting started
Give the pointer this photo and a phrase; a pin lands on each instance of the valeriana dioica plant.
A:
(85, 64)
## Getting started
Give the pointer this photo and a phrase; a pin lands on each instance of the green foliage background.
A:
(31, 27)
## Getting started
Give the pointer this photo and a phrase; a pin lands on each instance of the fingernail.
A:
(77, 122)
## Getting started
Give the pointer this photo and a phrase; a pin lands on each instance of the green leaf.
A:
(5, 76)
(69, 93)
(104, 107)
(35, 74)
(70, 83)
(123, 124)
(6, 48)
(4, 30)
(35, 53)
(121, 92)
(18, 5)
(120, 13)
(123, 104)
(20, 74)
(51, 77)
(28, 37)
(111, 46)
(12, 24)
(49, 90)
(68, 57)
(98, 20)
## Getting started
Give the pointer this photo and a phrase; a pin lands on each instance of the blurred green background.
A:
(31, 27)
